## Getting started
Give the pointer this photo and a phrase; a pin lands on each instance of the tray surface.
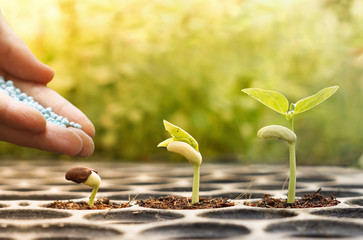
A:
(26, 187)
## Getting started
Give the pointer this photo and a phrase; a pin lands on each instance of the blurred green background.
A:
(129, 64)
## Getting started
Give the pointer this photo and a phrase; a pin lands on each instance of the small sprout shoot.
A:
(184, 144)
(88, 177)
(279, 103)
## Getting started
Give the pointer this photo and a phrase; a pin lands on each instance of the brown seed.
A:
(79, 174)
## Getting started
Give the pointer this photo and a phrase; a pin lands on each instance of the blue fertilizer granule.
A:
(9, 88)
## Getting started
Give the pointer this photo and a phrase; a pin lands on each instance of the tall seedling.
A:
(279, 103)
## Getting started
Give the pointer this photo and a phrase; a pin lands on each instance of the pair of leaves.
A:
(178, 134)
(279, 103)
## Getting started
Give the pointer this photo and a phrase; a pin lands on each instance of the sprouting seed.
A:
(88, 177)
(184, 144)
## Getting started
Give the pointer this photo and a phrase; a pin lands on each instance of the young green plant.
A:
(279, 103)
(184, 144)
(88, 177)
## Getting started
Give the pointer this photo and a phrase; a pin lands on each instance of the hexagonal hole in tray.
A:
(328, 193)
(197, 230)
(57, 183)
(31, 214)
(258, 173)
(355, 202)
(188, 174)
(70, 231)
(37, 197)
(345, 186)
(24, 189)
(226, 180)
(102, 189)
(184, 189)
(308, 179)
(248, 214)
(272, 187)
(135, 196)
(340, 212)
(140, 183)
(134, 216)
(235, 195)
(312, 228)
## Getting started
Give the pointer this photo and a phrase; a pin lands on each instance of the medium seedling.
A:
(279, 103)
(184, 144)
(88, 177)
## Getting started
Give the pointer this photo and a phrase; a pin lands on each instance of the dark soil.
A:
(182, 203)
(83, 205)
(310, 200)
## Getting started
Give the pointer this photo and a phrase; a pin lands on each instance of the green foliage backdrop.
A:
(130, 64)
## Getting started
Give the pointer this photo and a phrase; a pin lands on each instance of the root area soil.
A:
(180, 203)
(103, 203)
(310, 200)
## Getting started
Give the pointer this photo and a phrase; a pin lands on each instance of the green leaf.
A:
(274, 100)
(179, 135)
(312, 101)
(166, 142)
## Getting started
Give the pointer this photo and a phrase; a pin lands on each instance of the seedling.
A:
(88, 177)
(279, 103)
(184, 144)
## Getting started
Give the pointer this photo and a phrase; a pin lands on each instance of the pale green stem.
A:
(92, 197)
(292, 179)
(291, 124)
(195, 190)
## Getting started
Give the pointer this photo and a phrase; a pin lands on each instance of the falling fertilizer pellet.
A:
(9, 88)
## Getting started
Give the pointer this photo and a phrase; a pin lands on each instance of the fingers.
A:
(54, 138)
(88, 145)
(47, 137)
(17, 60)
(49, 98)
(21, 124)
(18, 115)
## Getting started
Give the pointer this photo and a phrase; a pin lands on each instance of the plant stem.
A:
(92, 197)
(291, 124)
(292, 178)
(195, 190)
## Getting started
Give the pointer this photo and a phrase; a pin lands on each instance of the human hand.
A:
(22, 124)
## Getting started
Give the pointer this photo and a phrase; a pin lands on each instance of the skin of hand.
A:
(23, 125)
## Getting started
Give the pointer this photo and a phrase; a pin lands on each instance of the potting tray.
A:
(27, 187)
